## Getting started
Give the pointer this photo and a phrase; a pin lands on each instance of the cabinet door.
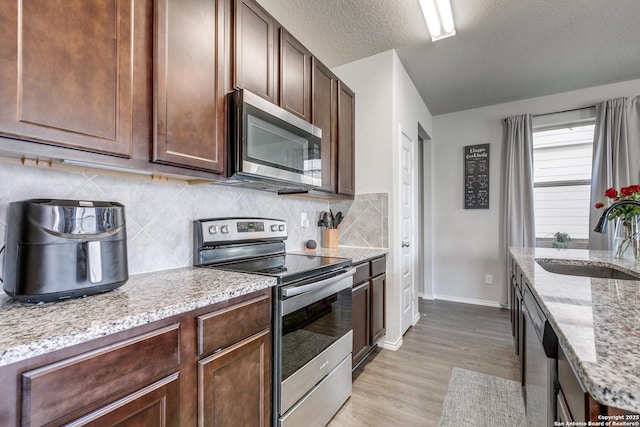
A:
(346, 140)
(191, 83)
(378, 285)
(154, 406)
(255, 49)
(295, 76)
(324, 115)
(234, 385)
(67, 73)
(360, 320)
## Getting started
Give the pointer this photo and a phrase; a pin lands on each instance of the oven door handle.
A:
(297, 290)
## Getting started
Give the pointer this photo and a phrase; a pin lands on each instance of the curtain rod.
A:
(559, 112)
(565, 111)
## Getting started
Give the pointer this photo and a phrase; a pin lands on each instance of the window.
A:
(562, 155)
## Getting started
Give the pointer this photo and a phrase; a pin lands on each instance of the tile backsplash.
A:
(159, 214)
(366, 221)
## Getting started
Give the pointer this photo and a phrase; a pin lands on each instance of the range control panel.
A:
(228, 230)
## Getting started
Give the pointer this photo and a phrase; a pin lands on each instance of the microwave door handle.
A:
(297, 290)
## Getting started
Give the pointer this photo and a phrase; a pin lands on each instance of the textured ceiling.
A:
(504, 50)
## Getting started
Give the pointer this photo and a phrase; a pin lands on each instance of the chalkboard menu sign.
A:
(476, 176)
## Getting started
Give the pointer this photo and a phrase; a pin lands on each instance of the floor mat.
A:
(475, 399)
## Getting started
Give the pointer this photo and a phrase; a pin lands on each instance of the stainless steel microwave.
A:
(272, 146)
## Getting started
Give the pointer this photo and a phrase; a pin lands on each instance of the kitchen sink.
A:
(570, 268)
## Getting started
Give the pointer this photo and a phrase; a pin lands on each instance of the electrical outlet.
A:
(304, 221)
(488, 279)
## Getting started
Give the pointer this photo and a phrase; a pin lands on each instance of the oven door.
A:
(315, 340)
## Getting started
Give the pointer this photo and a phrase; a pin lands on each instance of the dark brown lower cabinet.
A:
(152, 406)
(67, 389)
(378, 285)
(234, 385)
(210, 367)
(368, 306)
(360, 320)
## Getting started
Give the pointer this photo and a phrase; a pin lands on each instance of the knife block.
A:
(330, 238)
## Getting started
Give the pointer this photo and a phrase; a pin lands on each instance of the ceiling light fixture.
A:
(439, 18)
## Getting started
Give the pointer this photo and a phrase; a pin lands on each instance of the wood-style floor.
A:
(407, 387)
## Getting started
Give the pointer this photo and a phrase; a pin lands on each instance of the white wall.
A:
(372, 80)
(427, 219)
(467, 244)
(409, 113)
(386, 99)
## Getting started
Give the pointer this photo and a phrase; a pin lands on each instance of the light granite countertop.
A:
(355, 253)
(30, 330)
(597, 321)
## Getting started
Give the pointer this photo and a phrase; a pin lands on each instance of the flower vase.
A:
(626, 241)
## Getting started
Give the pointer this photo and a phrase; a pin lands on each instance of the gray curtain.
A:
(519, 217)
(518, 201)
(616, 156)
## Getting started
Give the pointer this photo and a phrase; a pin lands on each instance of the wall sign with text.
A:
(476, 176)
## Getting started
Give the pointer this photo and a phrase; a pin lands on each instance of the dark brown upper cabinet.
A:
(346, 140)
(255, 48)
(324, 115)
(295, 76)
(191, 82)
(67, 73)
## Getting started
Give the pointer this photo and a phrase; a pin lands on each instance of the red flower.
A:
(635, 188)
(626, 191)
(599, 205)
(611, 193)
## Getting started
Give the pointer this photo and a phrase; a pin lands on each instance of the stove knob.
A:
(274, 227)
(281, 227)
(213, 229)
(224, 229)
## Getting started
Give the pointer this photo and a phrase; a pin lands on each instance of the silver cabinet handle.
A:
(405, 244)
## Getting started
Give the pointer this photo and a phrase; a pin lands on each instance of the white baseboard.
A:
(416, 317)
(425, 296)
(388, 345)
(494, 304)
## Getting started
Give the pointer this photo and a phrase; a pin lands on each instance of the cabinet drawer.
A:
(230, 325)
(378, 266)
(56, 390)
(362, 274)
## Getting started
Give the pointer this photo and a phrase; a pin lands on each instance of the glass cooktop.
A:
(289, 268)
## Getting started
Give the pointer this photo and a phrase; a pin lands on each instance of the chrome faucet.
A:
(601, 227)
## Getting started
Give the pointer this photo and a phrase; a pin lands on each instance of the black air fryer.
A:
(59, 249)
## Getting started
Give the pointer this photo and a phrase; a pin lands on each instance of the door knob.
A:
(405, 244)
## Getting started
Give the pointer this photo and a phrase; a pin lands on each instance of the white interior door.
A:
(407, 250)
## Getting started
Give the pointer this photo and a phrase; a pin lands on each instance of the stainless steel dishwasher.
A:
(540, 364)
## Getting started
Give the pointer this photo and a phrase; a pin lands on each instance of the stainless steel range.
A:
(312, 335)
